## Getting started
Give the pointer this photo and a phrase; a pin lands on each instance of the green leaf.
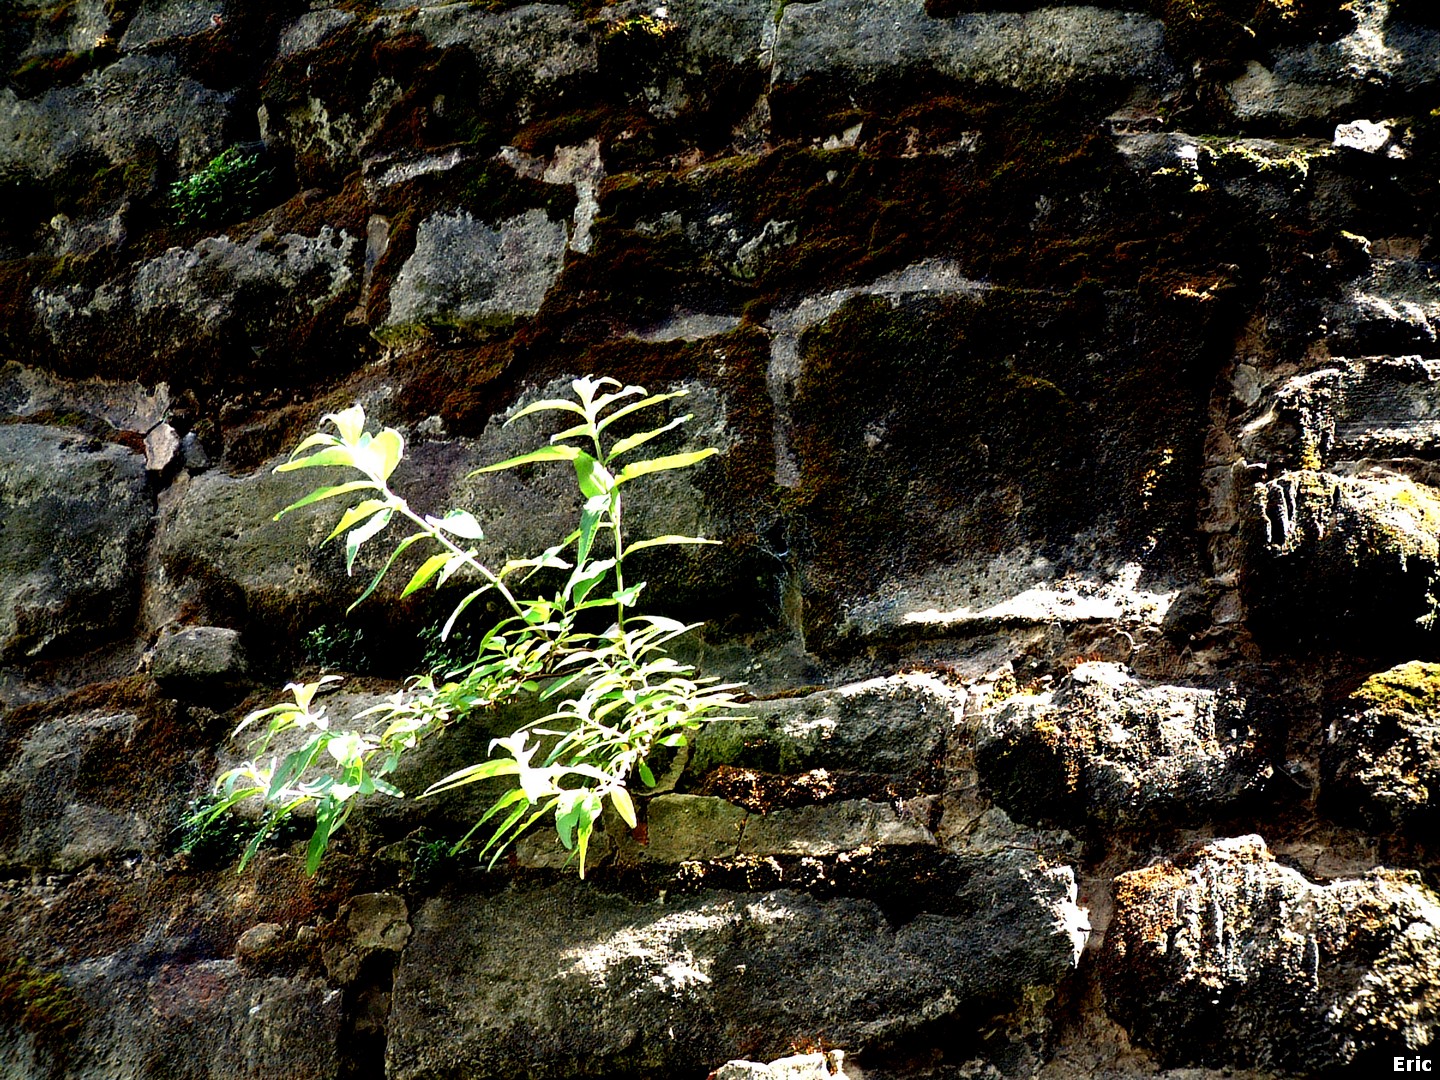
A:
(360, 534)
(662, 464)
(375, 581)
(646, 776)
(635, 406)
(631, 441)
(469, 775)
(593, 478)
(548, 405)
(356, 514)
(349, 422)
(428, 569)
(389, 448)
(620, 798)
(336, 455)
(460, 523)
(324, 493)
(585, 430)
(460, 609)
(658, 541)
(545, 453)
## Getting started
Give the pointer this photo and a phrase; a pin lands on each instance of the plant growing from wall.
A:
(618, 696)
(230, 186)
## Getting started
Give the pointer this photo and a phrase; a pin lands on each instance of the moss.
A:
(39, 1002)
(1407, 688)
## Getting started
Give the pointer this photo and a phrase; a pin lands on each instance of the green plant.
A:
(618, 695)
(231, 185)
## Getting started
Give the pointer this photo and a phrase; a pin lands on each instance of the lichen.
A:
(1413, 687)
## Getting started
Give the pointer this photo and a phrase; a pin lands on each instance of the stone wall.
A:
(1074, 371)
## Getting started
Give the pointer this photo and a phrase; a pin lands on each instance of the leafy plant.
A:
(618, 696)
(231, 185)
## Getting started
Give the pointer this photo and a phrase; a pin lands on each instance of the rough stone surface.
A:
(697, 827)
(138, 110)
(596, 983)
(826, 1066)
(895, 725)
(213, 1017)
(198, 659)
(467, 274)
(1223, 955)
(76, 513)
(1382, 752)
(1029, 51)
(1346, 558)
(59, 819)
(1107, 748)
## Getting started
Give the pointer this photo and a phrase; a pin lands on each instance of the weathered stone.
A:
(1395, 308)
(259, 943)
(896, 725)
(827, 1066)
(74, 516)
(1326, 80)
(533, 48)
(1033, 51)
(169, 23)
(566, 981)
(200, 659)
(57, 822)
(830, 829)
(698, 827)
(371, 923)
(1382, 753)
(681, 827)
(1223, 957)
(1343, 559)
(469, 275)
(138, 110)
(210, 1018)
(1106, 748)
(219, 308)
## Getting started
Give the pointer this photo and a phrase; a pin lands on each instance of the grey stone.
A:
(1343, 559)
(681, 827)
(168, 23)
(1107, 748)
(218, 298)
(894, 725)
(1223, 957)
(200, 659)
(819, 831)
(74, 516)
(1326, 80)
(1032, 51)
(467, 274)
(566, 981)
(310, 30)
(139, 109)
(60, 823)
(1381, 761)
(1395, 308)
(218, 1019)
(534, 47)
(700, 827)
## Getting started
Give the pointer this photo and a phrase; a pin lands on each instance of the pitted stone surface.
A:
(1224, 957)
